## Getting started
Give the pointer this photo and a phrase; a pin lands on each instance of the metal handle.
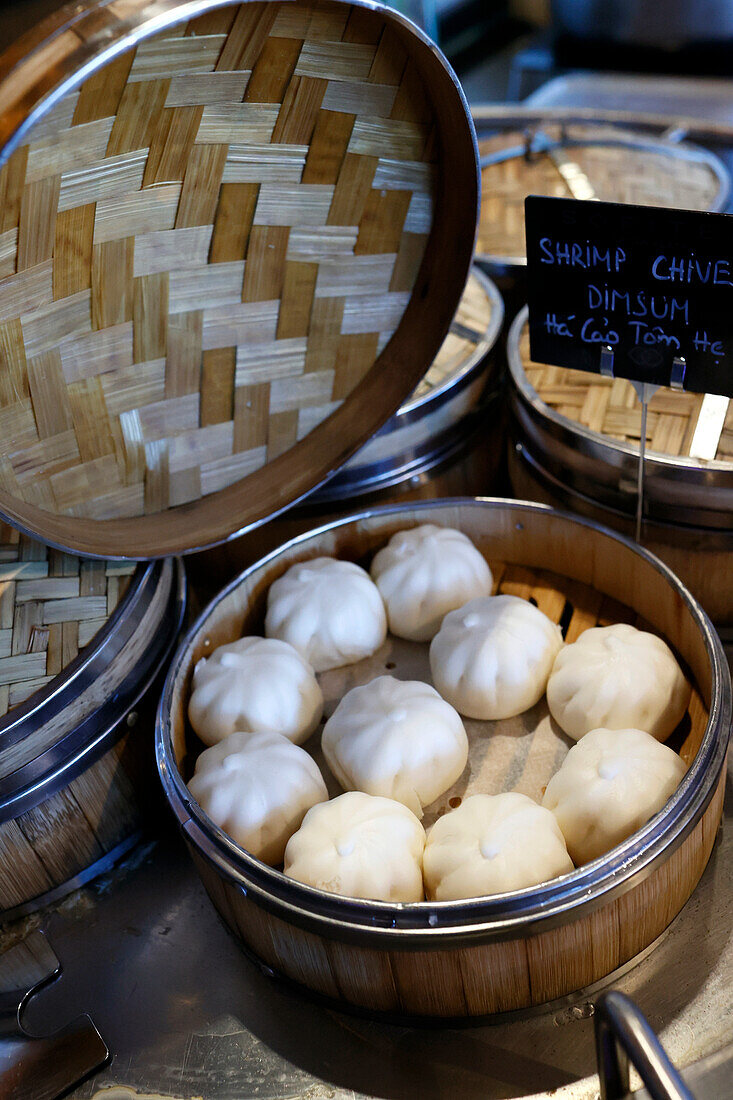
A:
(40, 1067)
(624, 1034)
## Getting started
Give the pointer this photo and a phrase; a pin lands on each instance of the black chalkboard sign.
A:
(651, 285)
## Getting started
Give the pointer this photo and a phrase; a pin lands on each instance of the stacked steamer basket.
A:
(493, 954)
(218, 278)
(575, 442)
(582, 162)
(82, 641)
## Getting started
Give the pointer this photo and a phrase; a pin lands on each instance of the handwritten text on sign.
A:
(651, 284)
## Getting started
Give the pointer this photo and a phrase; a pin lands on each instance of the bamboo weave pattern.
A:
(51, 606)
(617, 174)
(468, 330)
(203, 251)
(610, 406)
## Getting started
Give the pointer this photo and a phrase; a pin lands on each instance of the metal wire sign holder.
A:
(644, 391)
(639, 293)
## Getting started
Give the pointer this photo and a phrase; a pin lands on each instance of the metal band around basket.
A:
(99, 730)
(434, 924)
(703, 489)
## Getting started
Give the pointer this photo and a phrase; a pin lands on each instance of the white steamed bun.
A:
(617, 677)
(359, 845)
(258, 684)
(396, 738)
(330, 610)
(257, 788)
(491, 658)
(608, 786)
(490, 845)
(423, 574)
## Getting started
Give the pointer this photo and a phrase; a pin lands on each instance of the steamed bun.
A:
(254, 684)
(491, 659)
(257, 788)
(490, 845)
(329, 610)
(617, 677)
(396, 738)
(423, 574)
(608, 786)
(359, 845)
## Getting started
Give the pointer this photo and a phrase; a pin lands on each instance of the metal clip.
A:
(677, 378)
(528, 138)
(607, 361)
(35, 1065)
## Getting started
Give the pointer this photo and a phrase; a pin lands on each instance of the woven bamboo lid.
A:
(617, 165)
(218, 251)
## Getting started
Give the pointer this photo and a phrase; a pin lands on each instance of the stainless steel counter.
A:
(187, 1015)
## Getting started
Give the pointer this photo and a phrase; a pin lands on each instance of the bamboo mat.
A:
(611, 407)
(51, 605)
(203, 251)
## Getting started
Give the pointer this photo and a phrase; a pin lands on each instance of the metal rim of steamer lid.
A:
(437, 924)
(358, 477)
(638, 142)
(604, 469)
(102, 723)
(102, 34)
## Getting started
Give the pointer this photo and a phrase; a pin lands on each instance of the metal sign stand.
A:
(644, 391)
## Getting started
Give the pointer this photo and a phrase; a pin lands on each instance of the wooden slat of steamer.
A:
(495, 977)
(439, 988)
(106, 793)
(24, 875)
(60, 835)
(361, 968)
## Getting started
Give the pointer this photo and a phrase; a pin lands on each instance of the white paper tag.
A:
(709, 427)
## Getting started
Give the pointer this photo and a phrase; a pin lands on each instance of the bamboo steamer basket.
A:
(83, 641)
(447, 439)
(221, 258)
(583, 161)
(575, 442)
(488, 955)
